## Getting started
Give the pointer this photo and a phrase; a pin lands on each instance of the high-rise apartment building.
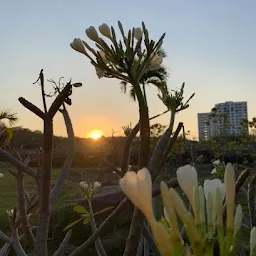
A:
(224, 118)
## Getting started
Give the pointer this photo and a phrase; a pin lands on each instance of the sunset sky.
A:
(211, 45)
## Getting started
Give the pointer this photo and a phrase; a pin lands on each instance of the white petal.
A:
(187, 179)
(129, 186)
(213, 171)
(145, 191)
(166, 215)
(1, 175)
(217, 162)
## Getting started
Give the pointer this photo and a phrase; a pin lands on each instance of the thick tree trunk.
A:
(138, 218)
(44, 211)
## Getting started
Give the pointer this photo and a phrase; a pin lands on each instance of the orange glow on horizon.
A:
(95, 134)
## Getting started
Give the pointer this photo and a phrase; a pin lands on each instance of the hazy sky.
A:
(211, 45)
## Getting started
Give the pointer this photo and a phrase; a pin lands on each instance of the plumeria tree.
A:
(136, 60)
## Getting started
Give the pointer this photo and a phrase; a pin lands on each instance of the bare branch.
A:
(98, 244)
(59, 100)
(70, 157)
(15, 239)
(41, 77)
(127, 147)
(171, 142)
(147, 235)
(101, 228)
(5, 238)
(128, 142)
(22, 207)
(32, 107)
(18, 164)
(64, 244)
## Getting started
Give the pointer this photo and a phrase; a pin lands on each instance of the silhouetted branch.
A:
(5, 238)
(18, 164)
(128, 142)
(127, 147)
(171, 142)
(64, 244)
(70, 157)
(32, 107)
(147, 235)
(156, 158)
(15, 239)
(102, 228)
(22, 208)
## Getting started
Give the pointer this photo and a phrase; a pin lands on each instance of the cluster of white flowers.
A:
(80, 45)
(89, 188)
(205, 224)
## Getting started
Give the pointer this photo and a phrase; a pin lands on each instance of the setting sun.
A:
(95, 134)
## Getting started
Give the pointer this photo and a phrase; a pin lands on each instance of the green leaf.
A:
(77, 84)
(71, 224)
(80, 209)
(86, 220)
(104, 210)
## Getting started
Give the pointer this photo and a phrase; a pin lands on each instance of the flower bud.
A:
(156, 60)
(96, 185)
(105, 30)
(138, 33)
(238, 219)
(10, 212)
(253, 242)
(1, 175)
(78, 46)
(83, 186)
(230, 191)
(92, 34)
(161, 238)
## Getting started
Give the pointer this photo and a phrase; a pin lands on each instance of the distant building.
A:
(224, 118)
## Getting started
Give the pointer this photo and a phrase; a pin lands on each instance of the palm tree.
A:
(156, 76)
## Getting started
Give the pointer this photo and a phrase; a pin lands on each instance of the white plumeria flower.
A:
(92, 34)
(96, 185)
(187, 179)
(78, 46)
(156, 60)
(105, 30)
(138, 33)
(1, 175)
(84, 185)
(138, 188)
(10, 212)
(213, 171)
(210, 187)
(216, 162)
